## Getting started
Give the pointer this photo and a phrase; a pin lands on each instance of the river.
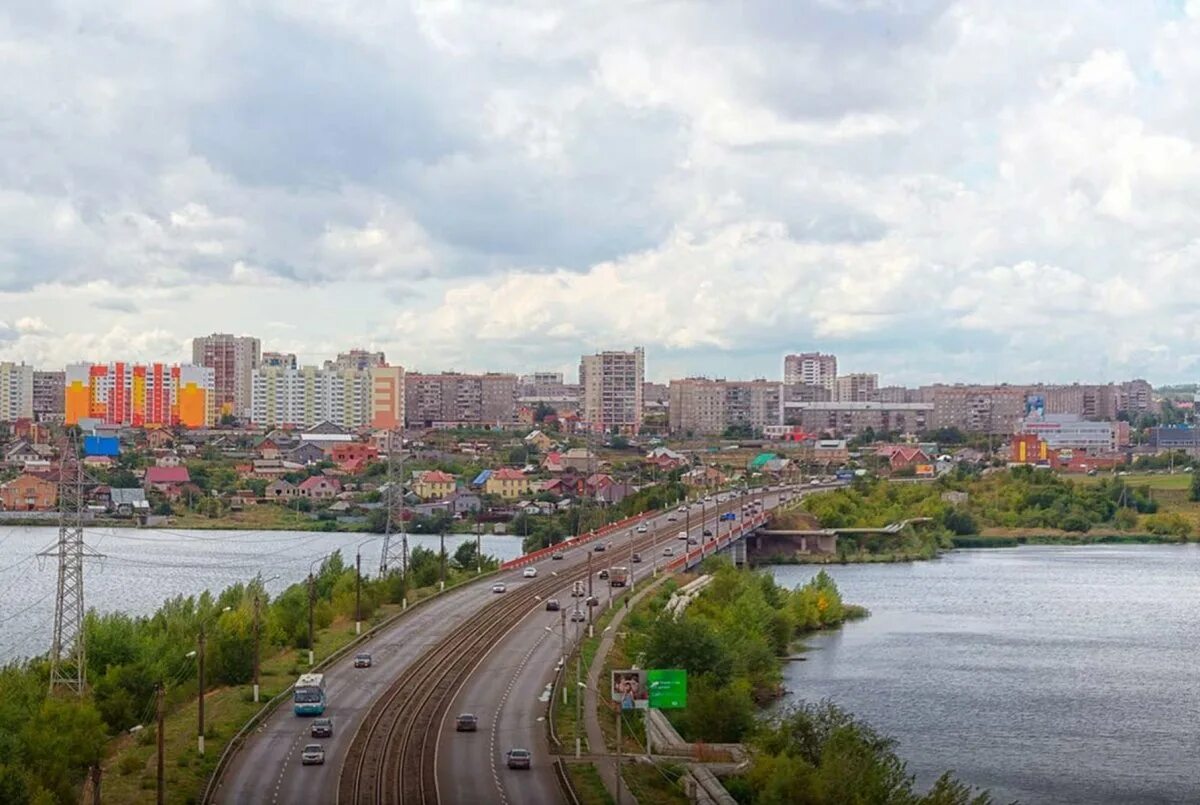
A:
(143, 567)
(1045, 674)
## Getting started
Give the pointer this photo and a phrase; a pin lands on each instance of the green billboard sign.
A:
(668, 688)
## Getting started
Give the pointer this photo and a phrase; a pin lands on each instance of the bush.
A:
(129, 764)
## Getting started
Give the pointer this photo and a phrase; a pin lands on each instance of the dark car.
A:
(321, 728)
(708, 532)
(552, 605)
(556, 556)
(599, 547)
(636, 558)
(604, 574)
(592, 601)
(466, 722)
(519, 758)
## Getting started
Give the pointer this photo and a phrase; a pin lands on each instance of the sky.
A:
(932, 190)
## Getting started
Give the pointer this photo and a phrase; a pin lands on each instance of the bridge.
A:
(816, 540)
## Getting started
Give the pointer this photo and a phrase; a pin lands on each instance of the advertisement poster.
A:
(630, 689)
(668, 688)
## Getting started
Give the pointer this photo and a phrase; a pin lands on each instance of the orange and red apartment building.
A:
(140, 395)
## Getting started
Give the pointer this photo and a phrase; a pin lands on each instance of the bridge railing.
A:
(582, 539)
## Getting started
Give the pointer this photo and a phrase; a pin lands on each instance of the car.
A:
(599, 547)
(312, 755)
(592, 601)
(518, 758)
(499, 588)
(641, 529)
(668, 551)
(530, 573)
(671, 517)
(556, 556)
(552, 605)
(708, 498)
(708, 532)
(577, 616)
(321, 728)
(577, 591)
(603, 574)
(635, 558)
(466, 722)
(362, 660)
(692, 541)
(682, 509)
(681, 535)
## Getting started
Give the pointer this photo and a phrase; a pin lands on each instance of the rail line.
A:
(391, 759)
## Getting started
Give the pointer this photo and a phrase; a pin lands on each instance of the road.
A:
(268, 770)
(509, 689)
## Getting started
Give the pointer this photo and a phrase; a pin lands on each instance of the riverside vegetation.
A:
(731, 640)
(51, 741)
(1003, 507)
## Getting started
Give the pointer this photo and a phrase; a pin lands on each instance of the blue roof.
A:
(481, 478)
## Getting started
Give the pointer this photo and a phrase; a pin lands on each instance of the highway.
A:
(508, 690)
(267, 768)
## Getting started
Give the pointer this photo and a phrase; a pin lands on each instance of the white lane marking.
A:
(500, 709)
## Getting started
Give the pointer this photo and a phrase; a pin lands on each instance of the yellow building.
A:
(433, 484)
(507, 483)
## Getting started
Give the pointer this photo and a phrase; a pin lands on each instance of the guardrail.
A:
(582, 539)
(695, 555)
(235, 743)
(564, 782)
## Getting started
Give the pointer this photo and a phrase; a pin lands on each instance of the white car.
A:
(668, 551)
(312, 755)
(499, 588)
(641, 529)
(682, 535)
(530, 573)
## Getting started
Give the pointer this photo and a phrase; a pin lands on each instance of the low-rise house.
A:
(433, 484)
(830, 452)
(269, 449)
(704, 477)
(28, 493)
(508, 483)
(162, 478)
(539, 441)
(20, 452)
(319, 487)
(480, 480)
(307, 454)
(582, 459)
(345, 452)
(128, 502)
(159, 439)
(463, 503)
(279, 490)
(900, 456)
(168, 460)
(270, 468)
(553, 463)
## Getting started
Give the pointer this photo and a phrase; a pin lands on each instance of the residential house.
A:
(163, 478)
(352, 454)
(98, 462)
(159, 439)
(539, 441)
(269, 449)
(28, 493)
(508, 483)
(433, 484)
(307, 454)
(830, 452)
(279, 490)
(899, 456)
(553, 463)
(168, 460)
(20, 452)
(582, 459)
(704, 477)
(463, 503)
(319, 487)
(128, 502)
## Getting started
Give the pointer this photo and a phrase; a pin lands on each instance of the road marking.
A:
(500, 708)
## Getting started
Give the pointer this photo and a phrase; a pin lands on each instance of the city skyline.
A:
(720, 186)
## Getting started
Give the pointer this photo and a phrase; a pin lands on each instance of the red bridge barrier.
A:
(582, 539)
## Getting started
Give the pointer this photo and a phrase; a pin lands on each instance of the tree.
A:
(62, 742)
(518, 455)
(1195, 495)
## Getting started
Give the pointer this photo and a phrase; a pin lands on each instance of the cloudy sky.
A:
(931, 189)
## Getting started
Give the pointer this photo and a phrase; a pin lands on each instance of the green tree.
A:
(1195, 493)
(62, 742)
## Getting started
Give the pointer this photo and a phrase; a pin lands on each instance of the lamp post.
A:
(199, 655)
(312, 600)
(258, 633)
(358, 584)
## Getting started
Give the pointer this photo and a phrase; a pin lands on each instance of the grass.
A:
(587, 783)
(260, 517)
(226, 710)
(655, 783)
(1179, 480)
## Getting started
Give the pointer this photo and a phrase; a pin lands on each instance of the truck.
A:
(618, 576)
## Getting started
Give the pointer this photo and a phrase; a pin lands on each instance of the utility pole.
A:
(588, 601)
(395, 514)
(160, 713)
(358, 592)
(312, 600)
(578, 693)
(200, 701)
(478, 550)
(442, 581)
(96, 784)
(68, 659)
(563, 615)
(257, 639)
(618, 756)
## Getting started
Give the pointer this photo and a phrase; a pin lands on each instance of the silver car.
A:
(312, 755)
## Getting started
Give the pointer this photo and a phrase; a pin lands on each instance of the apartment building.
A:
(702, 406)
(49, 390)
(856, 387)
(1071, 431)
(358, 360)
(308, 396)
(1000, 409)
(16, 391)
(278, 360)
(233, 360)
(612, 385)
(548, 388)
(846, 418)
(810, 368)
(140, 395)
(450, 399)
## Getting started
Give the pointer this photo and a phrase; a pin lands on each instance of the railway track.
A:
(391, 760)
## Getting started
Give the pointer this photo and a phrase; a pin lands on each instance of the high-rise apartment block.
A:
(700, 406)
(542, 379)
(857, 387)
(358, 360)
(612, 390)
(278, 360)
(811, 369)
(234, 360)
(451, 399)
(16, 391)
(137, 395)
(49, 396)
(308, 396)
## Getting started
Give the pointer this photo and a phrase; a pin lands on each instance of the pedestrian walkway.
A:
(591, 715)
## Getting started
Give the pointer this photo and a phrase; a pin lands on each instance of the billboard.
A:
(630, 689)
(668, 688)
(101, 446)
(1035, 405)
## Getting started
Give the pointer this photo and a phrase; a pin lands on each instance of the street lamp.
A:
(358, 585)
(258, 632)
(312, 600)
(199, 655)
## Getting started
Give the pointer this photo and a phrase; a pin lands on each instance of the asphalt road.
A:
(268, 770)
(508, 691)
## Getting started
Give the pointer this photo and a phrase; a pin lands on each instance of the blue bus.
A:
(308, 695)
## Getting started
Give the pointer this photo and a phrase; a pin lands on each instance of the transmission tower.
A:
(68, 667)
(395, 552)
